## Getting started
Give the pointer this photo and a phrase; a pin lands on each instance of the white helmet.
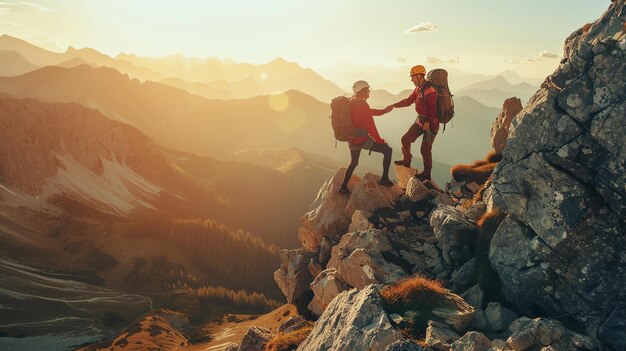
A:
(359, 85)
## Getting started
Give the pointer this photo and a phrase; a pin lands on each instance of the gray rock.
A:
(443, 199)
(479, 322)
(366, 266)
(474, 296)
(543, 332)
(325, 287)
(416, 190)
(405, 345)
(439, 336)
(456, 192)
(325, 249)
(455, 313)
(500, 127)
(498, 317)
(360, 221)
(369, 196)
(473, 187)
(327, 215)
(464, 277)
(372, 239)
(293, 321)
(293, 276)
(404, 175)
(455, 234)
(477, 210)
(472, 341)
(561, 181)
(255, 339)
(354, 320)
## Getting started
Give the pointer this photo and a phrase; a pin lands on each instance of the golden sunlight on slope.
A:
(278, 102)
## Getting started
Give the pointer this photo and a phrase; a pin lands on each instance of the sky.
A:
(478, 36)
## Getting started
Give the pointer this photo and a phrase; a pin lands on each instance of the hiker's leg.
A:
(386, 151)
(409, 138)
(427, 155)
(354, 155)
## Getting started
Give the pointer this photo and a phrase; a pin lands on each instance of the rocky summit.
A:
(530, 254)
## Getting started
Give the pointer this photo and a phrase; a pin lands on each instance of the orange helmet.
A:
(419, 69)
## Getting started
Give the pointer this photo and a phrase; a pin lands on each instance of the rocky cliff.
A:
(560, 250)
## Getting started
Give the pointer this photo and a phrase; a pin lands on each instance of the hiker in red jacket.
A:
(369, 139)
(425, 98)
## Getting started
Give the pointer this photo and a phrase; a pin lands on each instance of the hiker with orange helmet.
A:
(424, 96)
(368, 138)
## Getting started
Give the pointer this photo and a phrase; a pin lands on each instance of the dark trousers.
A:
(414, 132)
(355, 153)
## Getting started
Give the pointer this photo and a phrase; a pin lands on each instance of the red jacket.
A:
(425, 105)
(363, 117)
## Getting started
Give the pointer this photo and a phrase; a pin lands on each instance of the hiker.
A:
(427, 124)
(363, 121)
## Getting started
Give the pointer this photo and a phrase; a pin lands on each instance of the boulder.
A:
(464, 277)
(472, 341)
(544, 332)
(500, 127)
(366, 266)
(325, 287)
(405, 345)
(404, 175)
(327, 216)
(477, 210)
(255, 339)
(561, 181)
(474, 296)
(293, 276)
(498, 317)
(369, 196)
(455, 233)
(373, 239)
(324, 251)
(439, 336)
(416, 190)
(355, 321)
(360, 221)
(455, 313)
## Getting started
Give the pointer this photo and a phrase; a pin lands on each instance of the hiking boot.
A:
(343, 191)
(422, 176)
(385, 182)
(404, 163)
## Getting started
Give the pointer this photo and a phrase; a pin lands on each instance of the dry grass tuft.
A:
(418, 295)
(478, 172)
(289, 341)
(473, 173)
(490, 220)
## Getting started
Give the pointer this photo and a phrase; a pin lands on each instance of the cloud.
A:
(21, 6)
(423, 27)
(546, 54)
(11, 24)
(537, 57)
(438, 59)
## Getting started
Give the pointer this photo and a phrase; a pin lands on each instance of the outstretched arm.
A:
(406, 102)
(377, 112)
